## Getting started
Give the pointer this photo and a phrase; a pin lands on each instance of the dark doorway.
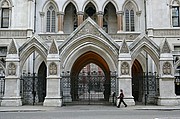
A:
(41, 89)
(137, 81)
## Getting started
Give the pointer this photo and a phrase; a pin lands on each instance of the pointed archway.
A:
(82, 61)
(41, 89)
(137, 82)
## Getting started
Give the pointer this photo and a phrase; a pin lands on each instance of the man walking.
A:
(121, 97)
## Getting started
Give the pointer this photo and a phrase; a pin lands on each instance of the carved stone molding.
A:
(167, 68)
(124, 68)
(12, 48)
(53, 69)
(12, 69)
(124, 47)
(166, 48)
(53, 48)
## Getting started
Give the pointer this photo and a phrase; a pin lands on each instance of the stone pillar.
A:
(53, 97)
(124, 73)
(167, 94)
(100, 19)
(12, 78)
(31, 18)
(138, 13)
(42, 21)
(60, 22)
(80, 17)
(119, 22)
(166, 81)
(30, 14)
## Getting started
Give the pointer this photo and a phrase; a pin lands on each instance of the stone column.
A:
(30, 14)
(138, 13)
(31, 18)
(53, 95)
(42, 21)
(100, 19)
(60, 22)
(119, 21)
(167, 94)
(124, 73)
(80, 17)
(12, 78)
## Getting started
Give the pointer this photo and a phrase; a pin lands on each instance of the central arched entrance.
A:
(90, 79)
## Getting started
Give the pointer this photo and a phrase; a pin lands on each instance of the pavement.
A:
(85, 107)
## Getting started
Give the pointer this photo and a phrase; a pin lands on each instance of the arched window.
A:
(90, 11)
(51, 19)
(5, 14)
(129, 17)
(175, 14)
(70, 18)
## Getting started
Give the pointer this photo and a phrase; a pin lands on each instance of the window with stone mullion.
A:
(51, 20)
(48, 21)
(5, 18)
(175, 16)
(132, 20)
(127, 20)
(53, 26)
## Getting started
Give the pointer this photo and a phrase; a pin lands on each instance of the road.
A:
(86, 112)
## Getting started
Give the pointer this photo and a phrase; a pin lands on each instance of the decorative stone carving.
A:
(89, 29)
(53, 48)
(124, 68)
(12, 48)
(12, 69)
(53, 69)
(166, 48)
(124, 47)
(167, 68)
(5, 3)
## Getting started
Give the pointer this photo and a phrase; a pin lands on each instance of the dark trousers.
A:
(121, 100)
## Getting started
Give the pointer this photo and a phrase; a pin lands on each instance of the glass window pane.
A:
(53, 21)
(127, 19)
(5, 18)
(175, 16)
(48, 22)
(132, 20)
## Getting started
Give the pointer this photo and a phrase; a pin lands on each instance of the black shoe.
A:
(118, 107)
(125, 105)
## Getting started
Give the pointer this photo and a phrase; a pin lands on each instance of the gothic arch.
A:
(130, 1)
(8, 1)
(50, 2)
(33, 44)
(112, 2)
(90, 1)
(172, 2)
(144, 43)
(84, 45)
(67, 3)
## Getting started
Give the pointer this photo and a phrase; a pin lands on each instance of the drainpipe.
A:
(145, 17)
(34, 92)
(34, 16)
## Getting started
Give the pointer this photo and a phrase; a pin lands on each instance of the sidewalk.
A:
(85, 107)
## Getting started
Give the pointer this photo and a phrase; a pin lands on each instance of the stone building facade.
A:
(137, 39)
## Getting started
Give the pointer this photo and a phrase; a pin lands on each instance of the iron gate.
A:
(32, 89)
(150, 88)
(88, 88)
(2, 86)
